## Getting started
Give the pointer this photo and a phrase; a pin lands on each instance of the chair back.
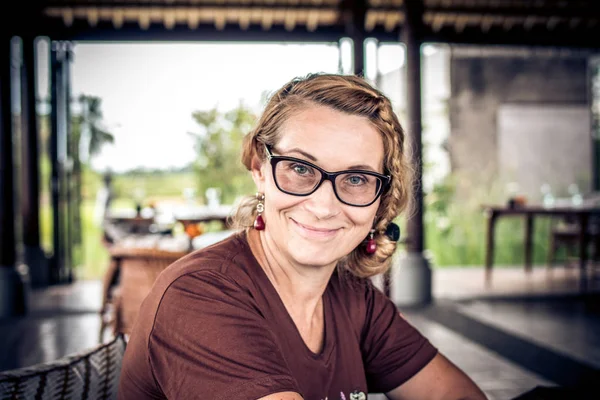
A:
(91, 374)
(139, 268)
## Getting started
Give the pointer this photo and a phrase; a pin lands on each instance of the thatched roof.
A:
(561, 22)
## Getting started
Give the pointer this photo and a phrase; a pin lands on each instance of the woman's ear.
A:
(258, 173)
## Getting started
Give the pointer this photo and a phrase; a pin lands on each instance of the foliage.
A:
(89, 135)
(153, 185)
(87, 128)
(455, 227)
(218, 146)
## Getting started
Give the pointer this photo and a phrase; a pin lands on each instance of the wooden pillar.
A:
(356, 11)
(359, 55)
(596, 163)
(68, 164)
(58, 157)
(411, 275)
(410, 37)
(12, 295)
(594, 95)
(61, 182)
(30, 169)
(7, 223)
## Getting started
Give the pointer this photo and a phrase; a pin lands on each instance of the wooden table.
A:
(204, 214)
(492, 213)
(128, 224)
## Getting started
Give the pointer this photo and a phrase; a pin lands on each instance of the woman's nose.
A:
(323, 203)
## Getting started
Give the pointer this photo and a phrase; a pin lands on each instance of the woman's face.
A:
(318, 230)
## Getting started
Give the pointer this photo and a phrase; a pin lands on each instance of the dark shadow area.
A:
(569, 373)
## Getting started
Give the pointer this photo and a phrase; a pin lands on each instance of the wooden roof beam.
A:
(193, 17)
(228, 4)
(571, 12)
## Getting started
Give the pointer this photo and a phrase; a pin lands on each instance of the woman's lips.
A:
(314, 231)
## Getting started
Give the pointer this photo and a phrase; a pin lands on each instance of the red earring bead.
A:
(259, 223)
(371, 245)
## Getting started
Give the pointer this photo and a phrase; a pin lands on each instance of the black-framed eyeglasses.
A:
(298, 177)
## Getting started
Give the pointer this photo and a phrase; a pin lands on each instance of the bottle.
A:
(512, 190)
(547, 197)
(576, 198)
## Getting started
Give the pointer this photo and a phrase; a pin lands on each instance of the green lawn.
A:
(461, 241)
(92, 256)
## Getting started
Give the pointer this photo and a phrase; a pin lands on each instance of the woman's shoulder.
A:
(216, 274)
(223, 267)
(228, 257)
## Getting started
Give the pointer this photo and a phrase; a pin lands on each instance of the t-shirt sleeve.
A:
(209, 341)
(393, 350)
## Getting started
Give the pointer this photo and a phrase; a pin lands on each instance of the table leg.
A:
(583, 242)
(489, 249)
(528, 242)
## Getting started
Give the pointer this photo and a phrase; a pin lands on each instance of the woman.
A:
(283, 309)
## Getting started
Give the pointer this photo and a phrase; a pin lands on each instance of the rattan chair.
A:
(91, 374)
(135, 269)
(566, 234)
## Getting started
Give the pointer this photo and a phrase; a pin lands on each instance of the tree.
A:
(87, 129)
(218, 146)
(87, 138)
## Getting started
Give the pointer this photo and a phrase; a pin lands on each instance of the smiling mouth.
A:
(317, 232)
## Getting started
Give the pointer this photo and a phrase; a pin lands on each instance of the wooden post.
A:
(356, 11)
(410, 36)
(411, 277)
(594, 96)
(7, 207)
(68, 164)
(61, 271)
(56, 182)
(528, 242)
(30, 169)
(489, 248)
(12, 294)
(583, 254)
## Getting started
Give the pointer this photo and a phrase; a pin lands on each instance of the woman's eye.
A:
(356, 180)
(301, 169)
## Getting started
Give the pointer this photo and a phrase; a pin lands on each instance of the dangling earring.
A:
(371, 245)
(259, 222)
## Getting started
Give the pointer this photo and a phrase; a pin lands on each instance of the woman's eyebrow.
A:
(363, 167)
(302, 152)
(314, 159)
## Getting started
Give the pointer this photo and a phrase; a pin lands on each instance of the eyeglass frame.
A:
(326, 176)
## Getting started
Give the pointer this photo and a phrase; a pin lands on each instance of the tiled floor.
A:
(564, 325)
(496, 376)
(484, 331)
(61, 320)
(509, 281)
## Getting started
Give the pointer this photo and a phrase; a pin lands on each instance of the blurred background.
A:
(121, 129)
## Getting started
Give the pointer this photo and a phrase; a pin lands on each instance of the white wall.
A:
(540, 144)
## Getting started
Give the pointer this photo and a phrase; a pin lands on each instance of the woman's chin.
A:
(314, 255)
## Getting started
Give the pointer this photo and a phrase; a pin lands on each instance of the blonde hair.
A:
(351, 95)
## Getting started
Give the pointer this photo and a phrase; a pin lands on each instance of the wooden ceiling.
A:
(573, 23)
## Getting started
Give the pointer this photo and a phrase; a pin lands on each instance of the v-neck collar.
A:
(259, 274)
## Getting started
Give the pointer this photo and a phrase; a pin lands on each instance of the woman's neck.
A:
(300, 287)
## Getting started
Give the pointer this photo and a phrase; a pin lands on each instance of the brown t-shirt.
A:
(214, 327)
